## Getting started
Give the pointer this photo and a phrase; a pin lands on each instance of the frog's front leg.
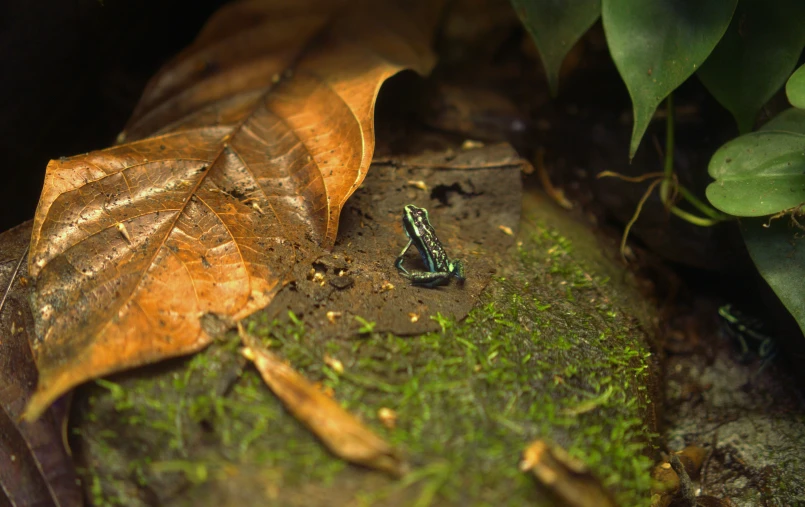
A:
(456, 268)
(744, 355)
(401, 258)
(767, 349)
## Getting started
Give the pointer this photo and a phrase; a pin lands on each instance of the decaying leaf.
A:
(35, 468)
(692, 458)
(260, 130)
(672, 478)
(567, 478)
(338, 430)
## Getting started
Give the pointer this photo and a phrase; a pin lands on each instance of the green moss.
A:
(548, 353)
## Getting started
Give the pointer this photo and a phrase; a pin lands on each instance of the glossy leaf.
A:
(795, 88)
(779, 254)
(35, 466)
(790, 120)
(260, 131)
(657, 45)
(755, 57)
(758, 174)
(555, 26)
(753, 189)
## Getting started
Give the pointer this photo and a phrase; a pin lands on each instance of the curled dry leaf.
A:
(692, 458)
(238, 159)
(340, 431)
(35, 467)
(667, 482)
(565, 477)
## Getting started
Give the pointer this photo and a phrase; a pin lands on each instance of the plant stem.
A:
(669, 181)
(699, 205)
(695, 220)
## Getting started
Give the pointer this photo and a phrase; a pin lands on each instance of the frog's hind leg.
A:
(429, 279)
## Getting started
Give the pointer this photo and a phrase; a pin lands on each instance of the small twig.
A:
(686, 492)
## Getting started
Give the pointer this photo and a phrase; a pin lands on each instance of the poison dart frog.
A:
(440, 267)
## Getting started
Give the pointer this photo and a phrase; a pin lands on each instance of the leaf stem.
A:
(704, 208)
(694, 219)
(670, 182)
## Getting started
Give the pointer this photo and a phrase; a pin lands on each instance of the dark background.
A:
(71, 72)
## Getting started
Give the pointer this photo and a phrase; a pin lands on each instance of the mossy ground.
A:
(549, 352)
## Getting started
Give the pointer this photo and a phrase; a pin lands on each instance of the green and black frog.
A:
(440, 267)
(750, 334)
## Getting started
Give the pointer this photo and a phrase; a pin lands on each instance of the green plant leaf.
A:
(755, 57)
(778, 252)
(758, 174)
(555, 26)
(790, 120)
(658, 44)
(795, 88)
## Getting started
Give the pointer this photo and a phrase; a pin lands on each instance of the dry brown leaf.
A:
(672, 478)
(692, 458)
(340, 431)
(260, 130)
(35, 467)
(566, 478)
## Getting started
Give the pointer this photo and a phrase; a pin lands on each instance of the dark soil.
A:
(470, 194)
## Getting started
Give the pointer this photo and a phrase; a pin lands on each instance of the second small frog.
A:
(421, 234)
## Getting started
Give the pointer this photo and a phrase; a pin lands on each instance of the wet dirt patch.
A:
(469, 194)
